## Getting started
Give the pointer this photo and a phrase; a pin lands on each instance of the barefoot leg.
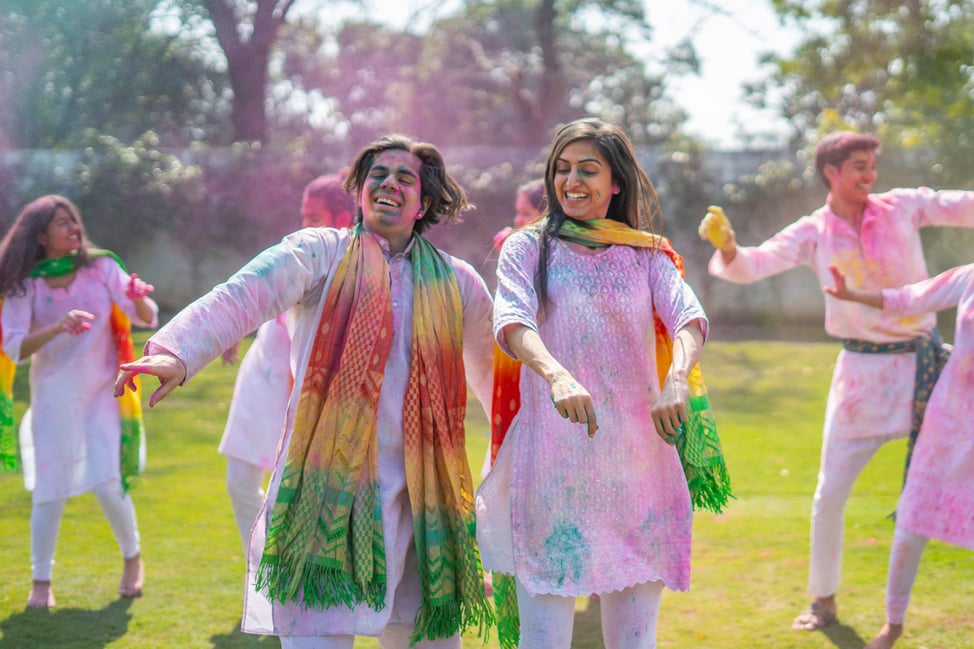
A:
(887, 636)
(133, 577)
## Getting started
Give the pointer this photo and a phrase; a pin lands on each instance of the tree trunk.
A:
(247, 60)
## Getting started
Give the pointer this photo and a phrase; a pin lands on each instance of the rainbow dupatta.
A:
(324, 542)
(8, 435)
(129, 404)
(698, 445)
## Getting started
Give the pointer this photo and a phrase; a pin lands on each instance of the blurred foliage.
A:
(902, 70)
(133, 102)
(494, 73)
(69, 67)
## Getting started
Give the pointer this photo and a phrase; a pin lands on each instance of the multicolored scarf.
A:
(698, 445)
(324, 543)
(129, 404)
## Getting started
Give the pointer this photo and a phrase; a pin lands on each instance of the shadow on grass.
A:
(587, 632)
(237, 639)
(843, 637)
(66, 627)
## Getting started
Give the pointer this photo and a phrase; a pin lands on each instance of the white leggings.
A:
(842, 462)
(904, 561)
(628, 618)
(45, 520)
(245, 484)
(393, 637)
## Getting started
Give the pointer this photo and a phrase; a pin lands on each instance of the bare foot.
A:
(820, 614)
(887, 636)
(41, 595)
(133, 577)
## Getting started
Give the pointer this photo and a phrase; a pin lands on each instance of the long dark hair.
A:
(442, 196)
(635, 205)
(20, 249)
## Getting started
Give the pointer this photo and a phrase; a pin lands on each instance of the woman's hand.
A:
(75, 322)
(670, 410)
(137, 288)
(167, 368)
(842, 291)
(572, 401)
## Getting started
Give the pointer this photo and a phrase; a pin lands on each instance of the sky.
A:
(729, 42)
(729, 35)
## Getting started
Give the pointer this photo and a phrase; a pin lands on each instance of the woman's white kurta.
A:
(589, 515)
(938, 499)
(296, 275)
(76, 427)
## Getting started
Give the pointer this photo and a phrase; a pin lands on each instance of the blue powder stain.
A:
(567, 550)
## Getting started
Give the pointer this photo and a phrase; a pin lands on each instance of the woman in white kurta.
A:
(296, 275)
(61, 324)
(585, 497)
(938, 499)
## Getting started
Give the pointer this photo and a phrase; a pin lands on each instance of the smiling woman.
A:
(576, 295)
(68, 307)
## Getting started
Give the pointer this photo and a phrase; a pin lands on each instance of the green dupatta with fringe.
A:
(698, 445)
(129, 404)
(324, 544)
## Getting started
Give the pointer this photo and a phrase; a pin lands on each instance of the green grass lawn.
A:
(749, 565)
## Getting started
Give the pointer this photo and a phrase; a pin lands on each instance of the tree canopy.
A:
(902, 69)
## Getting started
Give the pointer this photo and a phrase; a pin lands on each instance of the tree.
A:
(519, 68)
(70, 66)
(501, 73)
(901, 69)
(247, 41)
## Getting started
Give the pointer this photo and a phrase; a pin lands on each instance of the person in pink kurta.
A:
(874, 239)
(938, 499)
(584, 498)
(61, 323)
(255, 421)
(402, 188)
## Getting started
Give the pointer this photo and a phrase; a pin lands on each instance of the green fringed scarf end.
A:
(703, 458)
(8, 436)
(505, 605)
(317, 586)
(451, 617)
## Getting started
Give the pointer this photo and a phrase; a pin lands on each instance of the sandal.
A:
(41, 595)
(816, 618)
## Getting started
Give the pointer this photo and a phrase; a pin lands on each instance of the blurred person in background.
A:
(255, 421)
(68, 307)
(938, 498)
(529, 204)
(888, 363)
